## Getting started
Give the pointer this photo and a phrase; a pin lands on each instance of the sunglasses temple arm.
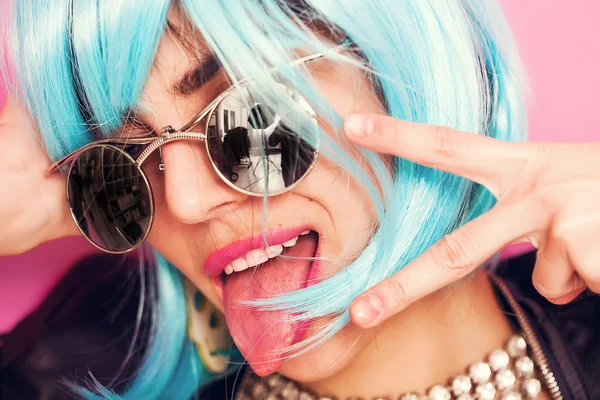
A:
(61, 163)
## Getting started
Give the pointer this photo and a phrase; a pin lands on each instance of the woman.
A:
(285, 262)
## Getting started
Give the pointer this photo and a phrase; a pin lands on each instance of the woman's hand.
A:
(33, 207)
(548, 194)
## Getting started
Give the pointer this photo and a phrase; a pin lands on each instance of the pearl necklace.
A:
(508, 374)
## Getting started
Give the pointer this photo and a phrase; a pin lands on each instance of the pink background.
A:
(557, 43)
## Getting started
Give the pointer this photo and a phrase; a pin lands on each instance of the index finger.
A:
(481, 159)
(447, 261)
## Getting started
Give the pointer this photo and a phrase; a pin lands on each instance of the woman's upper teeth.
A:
(253, 258)
(259, 256)
(290, 242)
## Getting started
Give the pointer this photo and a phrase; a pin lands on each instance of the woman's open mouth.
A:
(249, 270)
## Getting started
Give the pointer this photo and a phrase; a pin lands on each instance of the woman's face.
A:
(198, 216)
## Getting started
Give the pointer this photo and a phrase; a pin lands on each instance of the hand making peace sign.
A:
(548, 194)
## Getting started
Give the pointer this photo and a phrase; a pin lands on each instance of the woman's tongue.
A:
(262, 336)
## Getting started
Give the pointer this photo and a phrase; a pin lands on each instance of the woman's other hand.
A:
(548, 194)
(33, 207)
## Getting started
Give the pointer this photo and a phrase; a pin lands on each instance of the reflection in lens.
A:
(256, 148)
(110, 199)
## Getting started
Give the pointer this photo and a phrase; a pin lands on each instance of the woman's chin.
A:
(327, 359)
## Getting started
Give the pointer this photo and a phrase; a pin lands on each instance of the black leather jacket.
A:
(569, 334)
(83, 326)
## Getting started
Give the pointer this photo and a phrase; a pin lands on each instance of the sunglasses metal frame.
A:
(169, 135)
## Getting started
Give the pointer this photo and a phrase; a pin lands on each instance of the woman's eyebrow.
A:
(198, 76)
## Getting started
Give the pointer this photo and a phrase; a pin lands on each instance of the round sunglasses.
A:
(256, 147)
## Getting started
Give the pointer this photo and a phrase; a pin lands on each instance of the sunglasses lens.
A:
(110, 199)
(259, 148)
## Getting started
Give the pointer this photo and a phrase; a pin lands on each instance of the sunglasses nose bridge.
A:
(168, 135)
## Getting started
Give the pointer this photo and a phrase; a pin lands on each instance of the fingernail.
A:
(360, 126)
(367, 309)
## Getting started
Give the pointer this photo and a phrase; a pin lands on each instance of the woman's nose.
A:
(193, 189)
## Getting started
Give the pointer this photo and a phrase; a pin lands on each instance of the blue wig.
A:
(82, 64)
